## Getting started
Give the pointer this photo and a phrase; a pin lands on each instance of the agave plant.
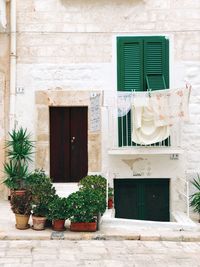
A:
(195, 198)
(19, 151)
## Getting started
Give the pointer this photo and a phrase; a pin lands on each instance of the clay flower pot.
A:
(58, 225)
(38, 222)
(83, 226)
(110, 203)
(22, 221)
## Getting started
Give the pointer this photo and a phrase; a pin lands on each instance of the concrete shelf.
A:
(145, 151)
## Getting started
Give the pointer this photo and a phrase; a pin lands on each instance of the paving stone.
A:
(17, 265)
(108, 253)
(150, 237)
(17, 252)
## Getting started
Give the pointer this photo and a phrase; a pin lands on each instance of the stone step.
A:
(65, 189)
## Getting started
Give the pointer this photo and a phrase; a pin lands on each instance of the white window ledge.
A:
(145, 151)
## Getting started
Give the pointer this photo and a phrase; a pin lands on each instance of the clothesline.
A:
(164, 99)
(154, 112)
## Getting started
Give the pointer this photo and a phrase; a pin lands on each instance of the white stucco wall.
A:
(71, 44)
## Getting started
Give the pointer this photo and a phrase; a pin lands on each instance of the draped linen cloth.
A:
(170, 105)
(144, 129)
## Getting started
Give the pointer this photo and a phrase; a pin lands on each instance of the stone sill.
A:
(145, 151)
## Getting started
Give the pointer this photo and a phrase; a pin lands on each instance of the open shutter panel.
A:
(156, 63)
(130, 64)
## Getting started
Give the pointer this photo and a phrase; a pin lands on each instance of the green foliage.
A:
(58, 208)
(21, 204)
(40, 210)
(85, 204)
(16, 175)
(110, 192)
(195, 198)
(96, 182)
(42, 191)
(19, 150)
(93, 182)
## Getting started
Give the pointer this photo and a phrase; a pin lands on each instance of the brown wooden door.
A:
(68, 143)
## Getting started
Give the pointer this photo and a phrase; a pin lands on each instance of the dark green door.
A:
(142, 199)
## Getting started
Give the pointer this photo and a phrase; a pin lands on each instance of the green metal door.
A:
(142, 199)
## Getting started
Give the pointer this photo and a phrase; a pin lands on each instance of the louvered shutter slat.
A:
(155, 62)
(130, 64)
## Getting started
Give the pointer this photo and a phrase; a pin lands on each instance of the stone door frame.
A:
(47, 98)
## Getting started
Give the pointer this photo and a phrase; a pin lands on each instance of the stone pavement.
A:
(98, 253)
(108, 231)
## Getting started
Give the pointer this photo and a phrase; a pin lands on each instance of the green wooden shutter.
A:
(130, 78)
(130, 63)
(142, 64)
(156, 63)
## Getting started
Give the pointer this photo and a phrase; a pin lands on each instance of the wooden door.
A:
(68, 143)
(143, 199)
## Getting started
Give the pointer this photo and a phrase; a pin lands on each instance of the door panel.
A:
(143, 199)
(79, 154)
(59, 145)
(156, 194)
(68, 143)
(126, 199)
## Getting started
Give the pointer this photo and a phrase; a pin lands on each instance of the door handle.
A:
(73, 139)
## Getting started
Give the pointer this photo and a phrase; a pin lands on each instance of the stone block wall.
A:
(71, 45)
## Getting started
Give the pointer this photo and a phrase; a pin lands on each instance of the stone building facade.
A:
(66, 52)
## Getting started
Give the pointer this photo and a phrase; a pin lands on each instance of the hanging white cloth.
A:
(144, 129)
(170, 105)
(123, 103)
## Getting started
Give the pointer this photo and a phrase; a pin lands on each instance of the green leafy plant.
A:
(93, 182)
(195, 198)
(19, 150)
(98, 183)
(42, 190)
(40, 209)
(110, 192)
(85, 204)
(58, 208)
(21, 204)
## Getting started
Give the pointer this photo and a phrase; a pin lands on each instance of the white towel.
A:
(144, 129)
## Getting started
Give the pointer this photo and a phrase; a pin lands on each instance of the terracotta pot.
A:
(20, 192)
(58, 225)
(38, 222)
(110, 203)
(22, 221)
(83, 226)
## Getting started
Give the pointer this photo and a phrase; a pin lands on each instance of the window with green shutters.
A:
(142, 64)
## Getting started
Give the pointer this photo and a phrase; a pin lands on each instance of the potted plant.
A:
(195, 198)
(95, 182)
(83, 206)
(42, 191)
(39, 213)
(19, 150)
(21, 206)
(58, 212)
(110, 197)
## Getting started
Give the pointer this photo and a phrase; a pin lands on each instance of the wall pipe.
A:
(12, 64)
